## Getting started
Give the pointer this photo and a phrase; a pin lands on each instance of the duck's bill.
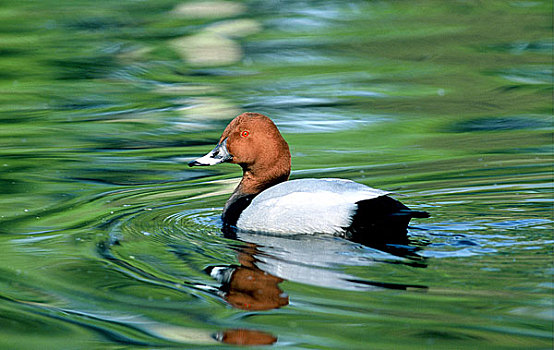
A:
(218, 155)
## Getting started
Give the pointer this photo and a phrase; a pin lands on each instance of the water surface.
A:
(109, 241)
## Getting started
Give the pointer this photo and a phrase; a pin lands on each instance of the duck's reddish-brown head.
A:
(253, 141)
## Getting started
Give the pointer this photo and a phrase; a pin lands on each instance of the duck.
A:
(266, 201)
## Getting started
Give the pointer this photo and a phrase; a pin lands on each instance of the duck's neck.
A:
(255, 179)
(254, 182)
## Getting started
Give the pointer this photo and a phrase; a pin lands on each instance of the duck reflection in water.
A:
(246, 286)
(267, 260)
(246, 337)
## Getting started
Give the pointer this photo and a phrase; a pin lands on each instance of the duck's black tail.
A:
(414, 213)
(382, 220)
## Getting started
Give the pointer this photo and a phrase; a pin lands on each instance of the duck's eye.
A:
(245, 133)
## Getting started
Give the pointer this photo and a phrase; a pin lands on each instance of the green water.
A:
(106, 234)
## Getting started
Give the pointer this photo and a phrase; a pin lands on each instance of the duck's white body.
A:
(306, 206)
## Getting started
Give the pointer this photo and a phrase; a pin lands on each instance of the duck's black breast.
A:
(234, 208)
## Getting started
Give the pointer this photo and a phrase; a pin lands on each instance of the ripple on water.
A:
(183, 243)
(181, 248)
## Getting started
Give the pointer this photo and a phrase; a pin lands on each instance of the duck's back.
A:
(306, 206)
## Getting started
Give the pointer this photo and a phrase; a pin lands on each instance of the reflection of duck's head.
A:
(265, 201)
(249, 288)
(246, 337)
(246, 286)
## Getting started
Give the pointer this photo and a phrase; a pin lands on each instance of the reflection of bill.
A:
(246, 286)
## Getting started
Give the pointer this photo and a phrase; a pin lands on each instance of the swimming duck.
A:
(267, 201)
